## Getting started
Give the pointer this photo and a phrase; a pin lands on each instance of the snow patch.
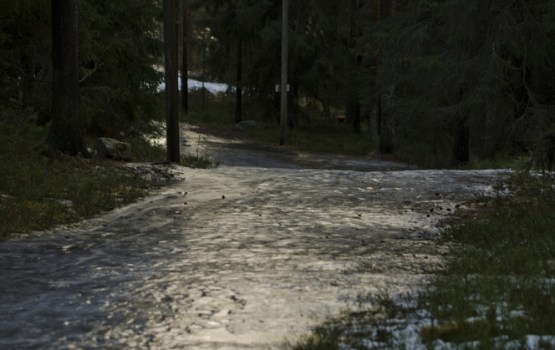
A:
(194, 85)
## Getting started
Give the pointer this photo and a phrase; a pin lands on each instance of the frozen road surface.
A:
(237, 257)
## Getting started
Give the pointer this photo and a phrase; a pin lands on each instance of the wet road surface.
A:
(237, 257)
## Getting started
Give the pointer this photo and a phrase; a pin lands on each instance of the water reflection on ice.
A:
(284, 250)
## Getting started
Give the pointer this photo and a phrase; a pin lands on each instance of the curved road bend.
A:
(238, 257)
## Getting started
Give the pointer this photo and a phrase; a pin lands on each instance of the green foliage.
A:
(144, 150)
(318, 61)
(487, 63)
(502, 275)
(25, 67)
(119, 47)
(322, 339)
(198, 162)
(119, 50)
(323, 138)
(38, 192)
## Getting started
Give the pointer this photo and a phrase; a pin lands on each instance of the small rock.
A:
(110, 148)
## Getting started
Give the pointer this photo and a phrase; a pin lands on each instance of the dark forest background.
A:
(435, 82)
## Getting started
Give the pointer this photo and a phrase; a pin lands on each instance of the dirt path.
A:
(237, 257)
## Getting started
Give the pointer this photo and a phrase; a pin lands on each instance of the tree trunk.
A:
(382, 9)
(185, 59)
(284, 70)
(353, 104)
(171, 77)
(239, 88)
(385, 131)
(461, 149)
(376, 10)
(66, 134)
(353, 114)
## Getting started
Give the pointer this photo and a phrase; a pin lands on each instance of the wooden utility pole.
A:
(171, 77)
(284, 57)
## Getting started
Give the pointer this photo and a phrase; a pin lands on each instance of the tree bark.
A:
(284, 71)
(66, 134)
(382, 9)
(171, 78)
(239, 88)
(461, 147)
(353, 104)
(185, 60)
(385, 131)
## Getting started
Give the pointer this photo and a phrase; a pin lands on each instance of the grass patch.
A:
(145, 151)
(38, 192)
(198, 162)
(323, 338)
(501, 283)
(516, 163)
(324, 138)
(497, 292)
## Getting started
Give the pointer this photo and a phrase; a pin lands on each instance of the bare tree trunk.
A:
(171, 77)
(239, 88)
(353, 105)
(66, 134)
(461, 147)
(284, 70)
(185, 59)
(386, 133)
(382, 9)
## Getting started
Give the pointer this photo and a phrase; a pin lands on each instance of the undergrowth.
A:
(38, 192)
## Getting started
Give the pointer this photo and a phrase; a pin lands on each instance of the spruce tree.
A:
(461, 77)
(171, 74)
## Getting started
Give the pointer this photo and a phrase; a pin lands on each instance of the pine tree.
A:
(185, 48)
(171, 74)
(66, 133)
(25, 64)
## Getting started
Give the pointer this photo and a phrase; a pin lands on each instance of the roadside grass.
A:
(145, 151)
(325, 137)
(38, 192)
(497, 292)
(198, 162)
(516, 163)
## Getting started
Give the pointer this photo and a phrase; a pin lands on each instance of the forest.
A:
(437, 83)
(410, 204)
